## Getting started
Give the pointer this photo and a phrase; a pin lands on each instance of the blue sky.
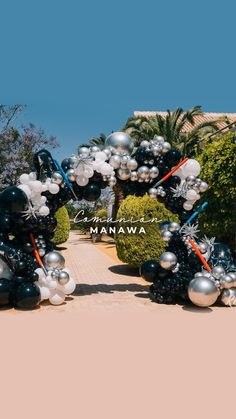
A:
(83, 67)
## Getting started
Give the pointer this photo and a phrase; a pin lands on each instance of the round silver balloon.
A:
(124, 161)
(94, 149)
(57, 178)
(107, 152)
(143, 172)
(123, 174)
(166, 147)
(112, 181)
(73, 159)
(144, 143)
(173, 227)
(71, 175)
(153, 172)
(202, 247)
(156, 149)
(203, 187)
(133, 176)
(84, 151)
(132, 164)
(228, 297)
(158, 138)
(166, 235)
(226, 281)
(190, 180)
(54, 260)
(202, 291)
(63, 278)
(115, 161)
(152, 192)
(5, 271)
(217, 271)
(198, 275)
(168, 260)
(120, 142)
(233, 276)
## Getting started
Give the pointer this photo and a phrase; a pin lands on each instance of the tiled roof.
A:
(227, 118)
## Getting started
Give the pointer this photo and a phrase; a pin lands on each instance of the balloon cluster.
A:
(183, 273)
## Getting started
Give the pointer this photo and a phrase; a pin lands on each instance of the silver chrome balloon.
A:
(203, 187)
(166, 147)
(202, 247)
(5, 271)
(63, 278)
(57, 178)
(156, 149)
(158, 138)
(112, 181)
(153, 172)
(217, 271)
(166, 235)
(228, 297)
(202, 291)
(226, 281)
(54, 260)
(107, 152)
(168, 260)
(143, 172)
(132, 164)
(95, 149)
(120, 142)
(133, 176)
(144, 143)
(152, 192)
(123, 174)
(115, 161)
(71, 175)
(190, 180)
(84, 151)
(173, 227)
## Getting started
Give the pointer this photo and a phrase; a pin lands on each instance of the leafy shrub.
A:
(136, 248)
(219, 171)
(63, 226)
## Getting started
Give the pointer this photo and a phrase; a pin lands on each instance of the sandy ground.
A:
(111, 353)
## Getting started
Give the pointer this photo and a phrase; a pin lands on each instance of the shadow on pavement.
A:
(124, 270)
(88, 289)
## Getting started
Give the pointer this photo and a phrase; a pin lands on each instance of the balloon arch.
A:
(32, 271)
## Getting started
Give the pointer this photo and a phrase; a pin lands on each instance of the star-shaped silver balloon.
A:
(30, 212)
(209, 243)
(180, 190)
(190, 231)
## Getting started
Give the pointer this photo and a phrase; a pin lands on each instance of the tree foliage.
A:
(62, 231)
(219, 171)
(134, 249)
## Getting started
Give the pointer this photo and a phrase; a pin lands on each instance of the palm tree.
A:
(100, 140)
(171, 127)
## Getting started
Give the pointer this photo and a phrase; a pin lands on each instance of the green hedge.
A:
(218, 169)
(63, 226)
(136, 248)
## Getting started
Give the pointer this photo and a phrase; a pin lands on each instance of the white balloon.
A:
(43, 200)
(191, 167)
(33, 176)
(44, 210)
(191, 195)
(44, 293)
(24, 178)
(100, 155)
(36, 186)
(25, 188)
(88, 172)
(106, 169)
(69, 288)
(52, 284)
(188, 205)
(56, 297)
(53, 188)
(179, 172)
(82, 180)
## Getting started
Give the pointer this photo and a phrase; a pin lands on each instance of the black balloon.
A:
(149, 269)
(91, 192)
(173, 157)
(27, 295)
(13, 200)
(5, 222)
(6, 286)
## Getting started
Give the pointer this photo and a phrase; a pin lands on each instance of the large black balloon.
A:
(27, 295)
(221, 255)
(6, 286)
(92, 192)
(149, 269)
(173, 157)
(5, 222)
(44, 164)
(13, 200)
